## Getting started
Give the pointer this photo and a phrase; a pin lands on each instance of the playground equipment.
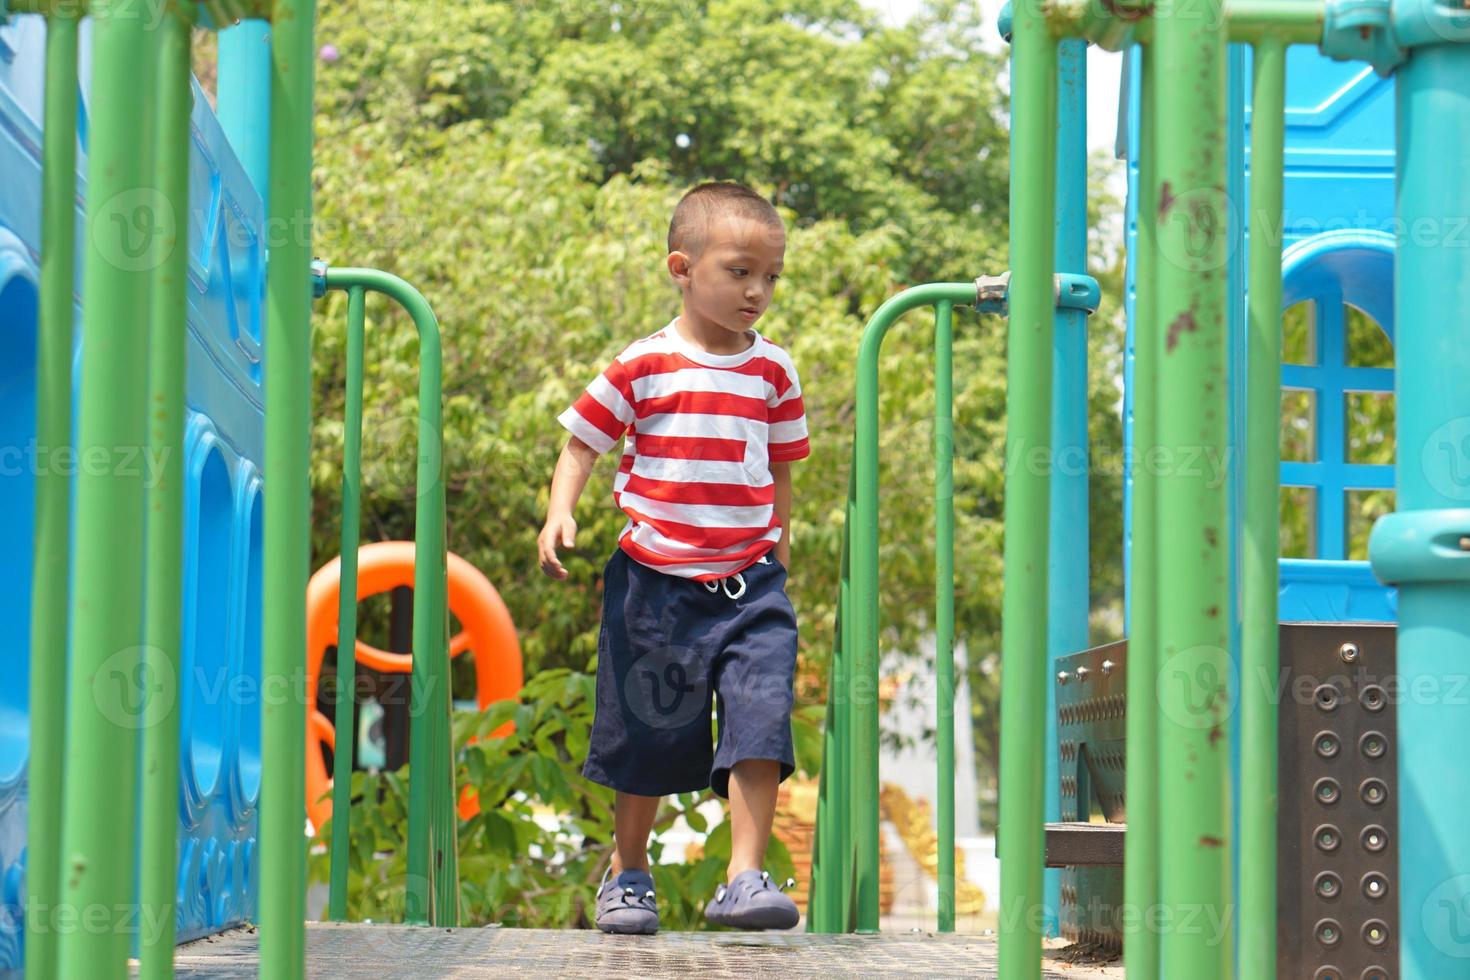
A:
(109, 648)
(173, 262)
(488, 635)
(1194, 821)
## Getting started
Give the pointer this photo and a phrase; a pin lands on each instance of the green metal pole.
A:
(164, 580)
(863, 681)
(1116, 26)
(1283, 22)
(433, 823)
(286, 557)
(821, 915)
(53, 429)
(1140, 843)
(1260, 632)
(832, 850)
(1192, 418)
(944, 603)
(842, 773)
(1028, 493)
(100, 816)
(347, 609)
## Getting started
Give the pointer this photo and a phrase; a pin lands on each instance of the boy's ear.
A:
(679, 265)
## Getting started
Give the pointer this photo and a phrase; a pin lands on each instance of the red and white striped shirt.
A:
(703, 429)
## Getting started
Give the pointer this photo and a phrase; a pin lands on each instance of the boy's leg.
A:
(633, 818)
(753, 787)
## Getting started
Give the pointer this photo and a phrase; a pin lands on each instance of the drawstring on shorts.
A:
(714, 585)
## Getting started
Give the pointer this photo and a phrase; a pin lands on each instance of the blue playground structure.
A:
(219, 762)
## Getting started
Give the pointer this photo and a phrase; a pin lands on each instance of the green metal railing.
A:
(845, 862)
(433, 877)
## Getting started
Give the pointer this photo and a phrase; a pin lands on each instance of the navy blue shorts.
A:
(668, 647)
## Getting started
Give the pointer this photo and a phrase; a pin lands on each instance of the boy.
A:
(694, 601)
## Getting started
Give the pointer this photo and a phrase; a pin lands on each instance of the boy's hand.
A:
(560, 531)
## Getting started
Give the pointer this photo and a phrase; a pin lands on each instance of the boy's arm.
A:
(567, 483)
(781, 474)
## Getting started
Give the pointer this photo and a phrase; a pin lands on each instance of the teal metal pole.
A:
(55, 344)
(347, 610)
(944, 606)
(1260, 658)
(244, 101)
(103, 707)
(1141, 841)
(1027, 493)
(1425, 546)
(1191, 277)
(433, 822)
(164, 579)
(863, 685)
(282, 900)
(1067, 574)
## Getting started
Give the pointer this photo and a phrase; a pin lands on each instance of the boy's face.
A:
(731, 282)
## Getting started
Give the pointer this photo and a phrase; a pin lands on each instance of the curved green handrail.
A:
(433, 878)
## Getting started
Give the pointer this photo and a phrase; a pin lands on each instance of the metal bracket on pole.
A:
(1421, 546)
(1381, 32)
(318, 278)
(1073, 291)
(992, 293)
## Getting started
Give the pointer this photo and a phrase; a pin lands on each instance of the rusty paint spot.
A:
(1211, 537)
(1215, 734)
(1183, 323)
(1208, 841)
(1213, 612)
(1166, 199)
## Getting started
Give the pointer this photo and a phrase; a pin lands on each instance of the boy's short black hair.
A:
(688, 229)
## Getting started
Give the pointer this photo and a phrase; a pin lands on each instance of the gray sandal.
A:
(627, 904)
(753, 901)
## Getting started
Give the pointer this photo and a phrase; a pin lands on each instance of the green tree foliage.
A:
(518, 162)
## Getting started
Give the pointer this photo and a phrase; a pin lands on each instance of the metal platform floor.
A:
(377, 951)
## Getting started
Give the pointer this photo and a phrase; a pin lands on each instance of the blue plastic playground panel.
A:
(220, 662)
(1337, 231)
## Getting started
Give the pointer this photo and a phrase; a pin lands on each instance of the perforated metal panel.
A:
(1337, 853)
(1091, 737)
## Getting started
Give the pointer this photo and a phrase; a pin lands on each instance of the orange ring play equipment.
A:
(488, 634)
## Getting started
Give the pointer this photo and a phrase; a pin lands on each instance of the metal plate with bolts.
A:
(1337, 829)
